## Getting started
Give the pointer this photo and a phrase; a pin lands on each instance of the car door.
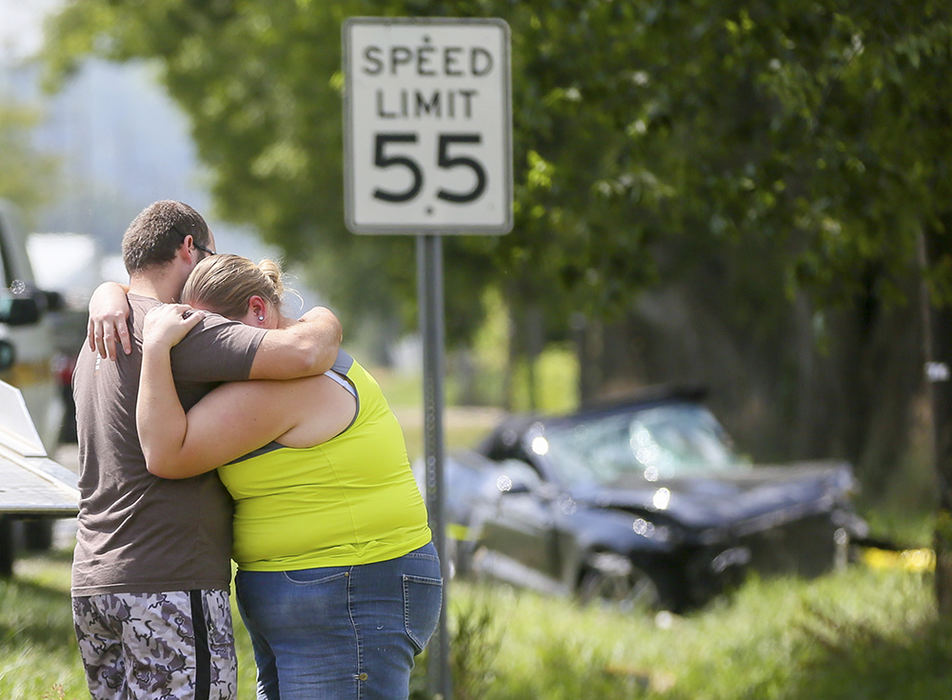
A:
(520, 526)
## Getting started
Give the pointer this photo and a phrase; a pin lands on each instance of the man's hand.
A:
(166, 325)
(321, 314)
(299, 348)
(108, 315)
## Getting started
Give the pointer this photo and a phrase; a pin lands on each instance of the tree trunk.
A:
(938, 337)
(512, 361)
(534, 336)
(856, 337)
(588, 350)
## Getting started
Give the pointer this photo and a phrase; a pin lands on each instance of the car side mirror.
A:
(7, 355)
(516, 486)
(54, 301)
(515, 476)
(19, 311)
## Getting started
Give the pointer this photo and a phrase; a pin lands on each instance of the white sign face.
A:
(427, 126)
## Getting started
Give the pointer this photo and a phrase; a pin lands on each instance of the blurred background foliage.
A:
(28, 176)
(734, 194)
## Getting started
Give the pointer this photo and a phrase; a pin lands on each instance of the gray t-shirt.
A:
(139, 533)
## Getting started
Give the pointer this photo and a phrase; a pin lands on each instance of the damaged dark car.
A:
(643, 503)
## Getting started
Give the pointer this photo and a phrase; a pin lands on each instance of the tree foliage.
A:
(25, 174)
(778, 160)
(815, 125)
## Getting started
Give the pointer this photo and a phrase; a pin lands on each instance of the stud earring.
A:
(261, 318)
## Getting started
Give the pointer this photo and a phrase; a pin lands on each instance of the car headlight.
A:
(661, 498)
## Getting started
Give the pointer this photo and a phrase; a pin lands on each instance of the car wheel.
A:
(616, 580)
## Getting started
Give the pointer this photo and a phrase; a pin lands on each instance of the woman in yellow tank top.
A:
(338, 581)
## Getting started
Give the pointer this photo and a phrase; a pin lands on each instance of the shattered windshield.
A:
(662, 442)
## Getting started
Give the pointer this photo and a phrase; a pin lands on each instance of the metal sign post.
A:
(428, 152)
(430, 294)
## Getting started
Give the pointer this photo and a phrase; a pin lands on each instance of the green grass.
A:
(38, 654)
(859, 633)
(856, 634)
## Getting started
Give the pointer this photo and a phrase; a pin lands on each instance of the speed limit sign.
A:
(427, 121)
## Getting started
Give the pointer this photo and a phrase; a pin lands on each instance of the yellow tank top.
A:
(350, 500)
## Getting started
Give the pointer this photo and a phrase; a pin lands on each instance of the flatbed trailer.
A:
(32, 486)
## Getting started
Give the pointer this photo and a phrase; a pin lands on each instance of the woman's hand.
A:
(166, 325)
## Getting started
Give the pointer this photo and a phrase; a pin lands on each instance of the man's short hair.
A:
(157, 232)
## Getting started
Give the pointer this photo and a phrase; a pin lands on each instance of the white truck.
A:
(27, 348)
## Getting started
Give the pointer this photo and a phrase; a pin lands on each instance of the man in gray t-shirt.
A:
(151, 569)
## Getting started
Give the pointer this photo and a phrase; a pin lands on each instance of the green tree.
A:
(25, 174)
(261, 83)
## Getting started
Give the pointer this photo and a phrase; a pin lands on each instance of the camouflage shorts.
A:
(145, 645)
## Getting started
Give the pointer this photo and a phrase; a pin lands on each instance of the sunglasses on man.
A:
(194, 243)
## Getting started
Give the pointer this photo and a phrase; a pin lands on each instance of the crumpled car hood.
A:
(751, 498)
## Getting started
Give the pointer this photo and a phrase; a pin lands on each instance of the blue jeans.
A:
(341, 631)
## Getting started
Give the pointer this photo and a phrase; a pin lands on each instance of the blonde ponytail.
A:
(272, 271)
